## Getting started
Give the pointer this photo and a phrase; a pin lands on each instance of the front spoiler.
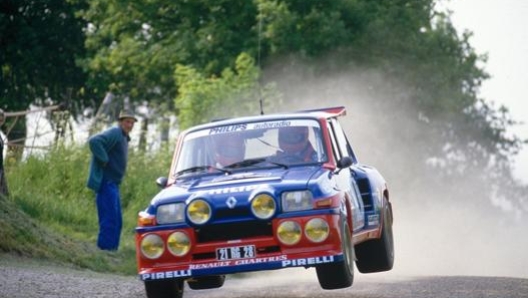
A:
(237, 266)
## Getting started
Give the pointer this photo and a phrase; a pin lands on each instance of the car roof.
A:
(325, 113)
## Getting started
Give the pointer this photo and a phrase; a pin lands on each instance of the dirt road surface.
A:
(30, 279)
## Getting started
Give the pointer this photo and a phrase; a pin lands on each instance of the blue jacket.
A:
(109, 157)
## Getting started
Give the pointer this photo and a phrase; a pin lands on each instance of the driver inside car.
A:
(294, 143)
(228, 149)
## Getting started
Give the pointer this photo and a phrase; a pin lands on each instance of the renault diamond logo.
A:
(231, 202)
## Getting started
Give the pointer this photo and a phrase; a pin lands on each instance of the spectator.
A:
(107, 169)
(3, 182)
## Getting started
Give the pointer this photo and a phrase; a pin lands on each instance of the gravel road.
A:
(21, 278)
(30, 279)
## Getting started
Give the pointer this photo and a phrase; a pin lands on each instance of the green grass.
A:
(51, 215)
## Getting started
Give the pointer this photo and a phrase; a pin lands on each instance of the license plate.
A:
(236, 252)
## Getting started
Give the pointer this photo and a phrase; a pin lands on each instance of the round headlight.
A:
(317, 230)
(263, 206)
(152, 246)
(289, 232)
(178, 244)
(199, 212)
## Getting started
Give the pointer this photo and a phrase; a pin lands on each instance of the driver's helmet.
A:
(293, 139)
(228, 149)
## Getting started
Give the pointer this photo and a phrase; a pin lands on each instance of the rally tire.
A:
(339, 274)
(378, 255)
(206, 282)
(166, 288)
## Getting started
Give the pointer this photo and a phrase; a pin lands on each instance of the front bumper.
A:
(237, 266)
(270, 254)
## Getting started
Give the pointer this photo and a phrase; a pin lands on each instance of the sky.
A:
(500, 30)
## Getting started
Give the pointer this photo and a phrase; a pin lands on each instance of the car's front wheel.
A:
(165, 288)
(339, 274)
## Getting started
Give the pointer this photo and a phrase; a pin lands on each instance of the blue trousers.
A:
(110, 218)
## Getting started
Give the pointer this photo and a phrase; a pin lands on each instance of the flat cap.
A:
(127, 114)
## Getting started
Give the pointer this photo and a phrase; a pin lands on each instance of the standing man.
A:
(3, 182)
(107, 169)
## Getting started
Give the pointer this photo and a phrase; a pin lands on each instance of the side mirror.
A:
(162, 182)
(343, 163)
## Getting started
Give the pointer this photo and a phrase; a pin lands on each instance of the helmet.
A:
(229, 148)
(293, 139)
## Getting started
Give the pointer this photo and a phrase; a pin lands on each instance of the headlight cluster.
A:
(152, 245)
(170, 213)
(297, 200)
(198, 212)
(290, 232)
(263, 206)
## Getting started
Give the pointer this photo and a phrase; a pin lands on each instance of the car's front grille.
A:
(233, 231)
(232, 213)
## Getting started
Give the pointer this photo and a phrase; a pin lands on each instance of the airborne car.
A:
(263, 193)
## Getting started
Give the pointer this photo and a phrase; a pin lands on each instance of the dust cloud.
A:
(442, 226)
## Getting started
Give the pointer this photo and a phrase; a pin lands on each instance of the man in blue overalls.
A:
(107, 169)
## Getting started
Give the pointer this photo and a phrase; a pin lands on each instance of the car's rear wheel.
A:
(206, 282)
(339, 274)
(378, 255)
(166, 288)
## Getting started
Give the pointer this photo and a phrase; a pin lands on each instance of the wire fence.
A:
(46, 127)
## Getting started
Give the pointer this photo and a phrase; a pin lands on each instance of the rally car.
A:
(262, 193)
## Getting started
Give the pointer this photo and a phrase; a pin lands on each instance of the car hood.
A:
(242, 183)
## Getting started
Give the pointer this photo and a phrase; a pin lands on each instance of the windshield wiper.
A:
(254, 161)
(201, 169)
(278, 164)
(246, 162)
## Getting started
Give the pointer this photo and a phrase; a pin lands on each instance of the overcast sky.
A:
(500, 29)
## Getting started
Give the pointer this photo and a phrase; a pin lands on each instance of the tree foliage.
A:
(136, 45)
(234, 93)
(41, 42)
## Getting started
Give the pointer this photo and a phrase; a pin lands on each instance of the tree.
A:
(41, 42)
(418, 69)
(136, 45)
(235, 93)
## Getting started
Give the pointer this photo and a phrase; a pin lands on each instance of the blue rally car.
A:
(263, 193)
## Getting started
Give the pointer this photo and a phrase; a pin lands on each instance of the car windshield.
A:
(248, 145)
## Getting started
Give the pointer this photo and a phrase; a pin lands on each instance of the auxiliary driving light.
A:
(289, 232)
(179, 244)
(152, 246)
(317, 230)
